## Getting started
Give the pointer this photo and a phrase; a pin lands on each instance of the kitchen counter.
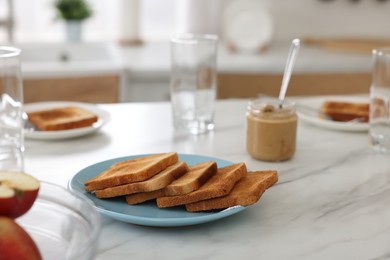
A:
(331, 201)
(318, 71)
(154, 58)
(142, 73)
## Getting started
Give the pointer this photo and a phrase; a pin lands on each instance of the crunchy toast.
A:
(218, 185)
(192, 180)
(156, 182)
(196, 176)
(346, 111)
(137, 198)
(62, 118)
(246, 192)
(133, 170)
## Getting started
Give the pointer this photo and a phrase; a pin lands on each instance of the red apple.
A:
(15, 242)
(18, 192)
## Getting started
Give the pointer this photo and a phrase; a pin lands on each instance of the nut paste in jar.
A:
(271, 131)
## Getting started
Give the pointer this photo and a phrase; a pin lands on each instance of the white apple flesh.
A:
(18, 192)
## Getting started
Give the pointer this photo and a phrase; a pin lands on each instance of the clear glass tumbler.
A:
(193, 82)
(11, 110)
(380, 101)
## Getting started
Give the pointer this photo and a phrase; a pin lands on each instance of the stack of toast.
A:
(346, 111)
(200, 187)
(63, 118)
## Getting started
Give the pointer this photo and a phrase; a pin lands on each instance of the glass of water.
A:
(193, 82)
(380, 101)
(11, 110)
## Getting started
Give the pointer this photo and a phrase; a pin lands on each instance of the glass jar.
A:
(271, 130)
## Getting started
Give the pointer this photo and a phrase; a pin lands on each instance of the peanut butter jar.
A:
(270, 130)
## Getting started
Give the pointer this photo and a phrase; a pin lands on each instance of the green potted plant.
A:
(73, 12)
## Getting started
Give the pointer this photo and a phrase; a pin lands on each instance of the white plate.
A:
(33, 133)
(314, 119)
(247, 25)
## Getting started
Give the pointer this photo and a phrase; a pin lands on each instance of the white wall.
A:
(296, 18)
(35, 20)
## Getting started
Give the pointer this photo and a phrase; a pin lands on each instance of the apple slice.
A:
(15, 242)
(18, 192)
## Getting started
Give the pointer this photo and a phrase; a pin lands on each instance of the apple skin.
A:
(18, 192)
(15, 242)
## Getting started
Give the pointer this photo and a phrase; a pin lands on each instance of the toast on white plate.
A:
(63, 118)
(346, 111)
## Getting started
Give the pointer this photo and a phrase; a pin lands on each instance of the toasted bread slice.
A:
(346, 111)
(133, 170)
(218, 185)
(192, 180)
(246, 192)
(137, 198)
(63, 118)
(156, 182)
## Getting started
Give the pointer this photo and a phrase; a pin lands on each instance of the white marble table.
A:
(331, 202)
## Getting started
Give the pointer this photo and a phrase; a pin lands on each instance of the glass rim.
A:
(270, 99)
(95, 221)
(9, 51)
(193, 38)
(255, 105)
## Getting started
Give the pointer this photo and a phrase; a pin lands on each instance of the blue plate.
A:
(148, 214)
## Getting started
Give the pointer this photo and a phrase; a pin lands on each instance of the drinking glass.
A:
(11, 110)
(380, 101)
(193, 82)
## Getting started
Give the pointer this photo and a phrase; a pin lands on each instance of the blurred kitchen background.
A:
(121, 52)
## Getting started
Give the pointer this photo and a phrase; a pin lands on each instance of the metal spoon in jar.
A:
(292, 56)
